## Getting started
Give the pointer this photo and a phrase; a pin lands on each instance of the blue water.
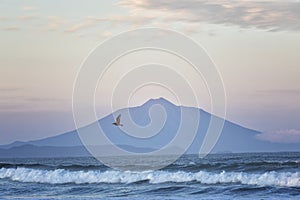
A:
(219, 176)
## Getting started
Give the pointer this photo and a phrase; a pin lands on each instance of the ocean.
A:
(217, 176)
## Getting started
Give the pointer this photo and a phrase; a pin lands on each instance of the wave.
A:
(50, 167)
(189, 167)
(259, 166)
(62, 176)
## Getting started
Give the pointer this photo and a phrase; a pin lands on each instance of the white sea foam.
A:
(58, 176)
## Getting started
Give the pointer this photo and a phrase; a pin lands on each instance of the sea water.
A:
(217, 176)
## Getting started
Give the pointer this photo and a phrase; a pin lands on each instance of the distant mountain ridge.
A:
(234, 138)
(32, 151)
(68, 139)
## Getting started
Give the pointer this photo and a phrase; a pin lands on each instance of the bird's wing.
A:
(118, 119)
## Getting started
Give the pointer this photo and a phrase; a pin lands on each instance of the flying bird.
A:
(118, 121)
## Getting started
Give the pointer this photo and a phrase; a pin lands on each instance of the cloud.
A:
(106, 34)
(29, 8)
(110, 22)
(9, 89)
(280, 136)
(80, 26)
(11, 107)
(28, 17)
(269, 15)
(54, 23)
(42, 100)
(295, 92)
(3, 18)
(187, 16)
(11, 28)
(13, 98)
(19, 103)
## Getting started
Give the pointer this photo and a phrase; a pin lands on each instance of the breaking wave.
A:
(62, 176)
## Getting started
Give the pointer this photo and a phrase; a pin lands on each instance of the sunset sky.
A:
(255, 45)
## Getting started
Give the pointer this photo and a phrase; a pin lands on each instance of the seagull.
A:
(118, 121)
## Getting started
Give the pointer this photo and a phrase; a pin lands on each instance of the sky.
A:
(254, 44)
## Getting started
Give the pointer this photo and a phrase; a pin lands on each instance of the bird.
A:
(118, 121)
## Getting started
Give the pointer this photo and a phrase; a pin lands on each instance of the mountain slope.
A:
(234, 138)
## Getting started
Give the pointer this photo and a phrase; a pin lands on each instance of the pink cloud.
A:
(28, 17)
(11, 28)
(54, 23)
(268, 15)
(80, 26)
(280, 136)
